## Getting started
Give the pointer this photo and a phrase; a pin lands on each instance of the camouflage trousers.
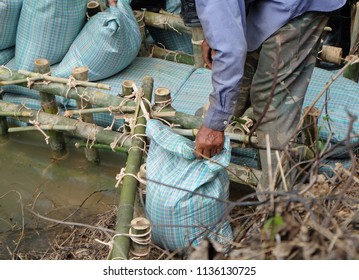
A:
(275, 81)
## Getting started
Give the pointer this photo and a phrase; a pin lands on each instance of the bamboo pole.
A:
(103, 147)
(121, 247)
(197, 39)
(81, 74)
(166, 21)
(140, 227)
(3, 124)
(84, 130)
(49, 105)
(63, 80)
(310, 127)
(93, 7)
(173, 56)
(42, 127)
(144, 49)
(352, 72)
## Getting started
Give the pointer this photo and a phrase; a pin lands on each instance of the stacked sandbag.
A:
(186, 198)
(9, 18)
(107, 44)
(46, 29)
(6, 55)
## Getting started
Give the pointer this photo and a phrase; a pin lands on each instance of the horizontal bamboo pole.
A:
(42, 127)
(79, 145)
(174, 56)
(84, 130)
(63, 80)
(16, 114)
(166, 21)
(233, 136)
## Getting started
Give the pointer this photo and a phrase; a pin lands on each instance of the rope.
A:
(8, 69)
(122, 174)
(197, 43)
(71, 83)
(36, 123)
(166, 23)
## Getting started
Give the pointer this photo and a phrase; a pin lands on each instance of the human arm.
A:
(223, 24)
(112, 3)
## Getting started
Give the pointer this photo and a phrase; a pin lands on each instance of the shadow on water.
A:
(70, 189)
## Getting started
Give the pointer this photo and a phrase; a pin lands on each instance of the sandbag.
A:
(341, 99)
(9, 18)
(107, 44)
(46, 30)
(195, 207)
(6, 55)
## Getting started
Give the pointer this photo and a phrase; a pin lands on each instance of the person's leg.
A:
(189, 13)
(291, 53)
(250, 68)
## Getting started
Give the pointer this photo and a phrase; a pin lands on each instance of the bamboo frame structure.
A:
(91, 132)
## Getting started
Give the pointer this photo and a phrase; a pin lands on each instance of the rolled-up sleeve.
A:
(223, 23)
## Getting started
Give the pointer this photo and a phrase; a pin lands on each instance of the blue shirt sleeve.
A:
(224, 26)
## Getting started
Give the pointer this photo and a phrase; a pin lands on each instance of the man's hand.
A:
(207, 54)
(209, 142)
(112, 3)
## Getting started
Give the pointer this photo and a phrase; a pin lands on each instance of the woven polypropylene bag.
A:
(46, 29)
(6, 55)
(9, 18)
(186, 198)
(107, 44)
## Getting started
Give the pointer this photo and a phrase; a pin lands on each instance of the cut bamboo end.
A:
(332, 54)
(93, 7)
(80, 71)
(127, 87)
(162, 99)
(141, 237)
(42, 62)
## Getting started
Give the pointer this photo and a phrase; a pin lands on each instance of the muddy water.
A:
(31, 179)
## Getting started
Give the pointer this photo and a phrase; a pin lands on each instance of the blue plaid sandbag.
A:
(186, 198)
(340, 99)
(6, 55)
(107, 44)
(9, 18)
(47, 29)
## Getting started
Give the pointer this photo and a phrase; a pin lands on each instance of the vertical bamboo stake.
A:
(163, 100)
(127, 87)
(144, 50)
(310, 126)
(93, 7)
(127, 90)
(81, 73)
(140, 228)
(3, 124)
(197, 39)
(352, 72)
(121, 246)
(49, 105)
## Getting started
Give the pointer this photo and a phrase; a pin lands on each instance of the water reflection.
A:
(70, 189)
